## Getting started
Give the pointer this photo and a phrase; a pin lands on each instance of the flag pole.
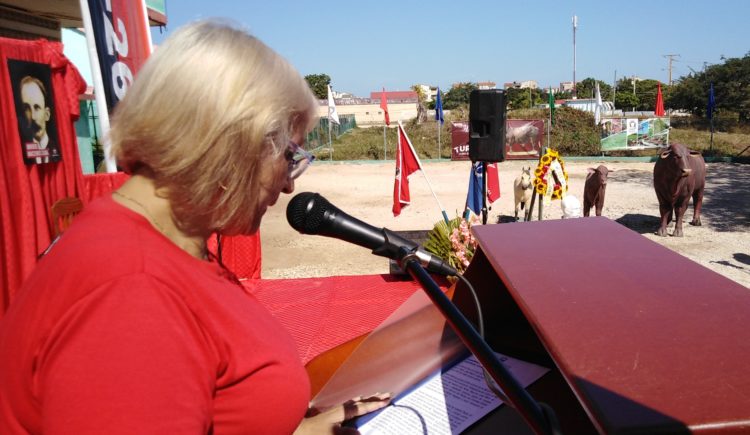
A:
(439, 119)
(424, 174)
(711, 107)
(384, 144)
(439, 148)
(330, 147)
(484, 193)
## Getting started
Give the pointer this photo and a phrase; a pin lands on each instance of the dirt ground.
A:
(365, 190)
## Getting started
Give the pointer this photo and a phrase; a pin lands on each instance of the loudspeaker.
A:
(487, 125)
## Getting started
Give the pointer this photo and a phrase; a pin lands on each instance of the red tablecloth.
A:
(322, 313)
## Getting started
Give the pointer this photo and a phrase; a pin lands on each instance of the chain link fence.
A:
(318, 138)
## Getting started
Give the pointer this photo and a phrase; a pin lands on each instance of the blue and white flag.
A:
(475, 197)
(332, 114)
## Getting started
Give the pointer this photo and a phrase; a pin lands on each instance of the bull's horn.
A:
(666, 154)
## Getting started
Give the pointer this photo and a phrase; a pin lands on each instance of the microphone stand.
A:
(484, 193)
(540, 417)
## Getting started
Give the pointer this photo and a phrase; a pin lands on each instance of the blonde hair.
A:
(210, 105)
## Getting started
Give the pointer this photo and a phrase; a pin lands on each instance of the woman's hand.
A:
(329, 422)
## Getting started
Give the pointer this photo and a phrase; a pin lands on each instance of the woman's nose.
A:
(288, 186)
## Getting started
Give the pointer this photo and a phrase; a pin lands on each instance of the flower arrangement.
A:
(551, 179)
(453, 241)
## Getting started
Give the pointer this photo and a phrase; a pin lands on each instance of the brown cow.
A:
(593, 190)
(679, 173)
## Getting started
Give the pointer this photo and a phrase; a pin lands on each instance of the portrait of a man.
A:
(33, 95)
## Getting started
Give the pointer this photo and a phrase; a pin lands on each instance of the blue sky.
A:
(365, 45)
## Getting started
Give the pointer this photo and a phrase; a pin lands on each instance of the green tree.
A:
(627, 94)
(689, 94)
(646, 90)
(586, 88)
(517, 98)
(731, 81)
(319, 84)
(458, 95)
(524, 98)
(626, 100)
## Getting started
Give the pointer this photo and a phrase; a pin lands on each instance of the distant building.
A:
(430, 92)
(566, 86)
(486, 85)
(343, 95)
(395, 96)
(527, 84)
(402, 105)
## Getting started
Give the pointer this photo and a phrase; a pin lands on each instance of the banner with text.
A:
(122, 43)
(634, 134)
(523, 139)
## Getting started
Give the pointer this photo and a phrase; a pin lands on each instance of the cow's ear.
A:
(666, 154)
(591, 170)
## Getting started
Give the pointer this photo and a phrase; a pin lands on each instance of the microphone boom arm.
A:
(538, 416)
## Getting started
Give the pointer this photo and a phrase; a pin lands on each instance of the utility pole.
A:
(530, 105)
(575, 26)
(614, 89)
(669, 68)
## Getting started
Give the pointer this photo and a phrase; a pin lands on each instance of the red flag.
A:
(659, 111)
(384, 106)
(493, 183)
(406, 164)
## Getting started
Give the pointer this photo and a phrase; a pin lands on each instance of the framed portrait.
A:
(34, 101)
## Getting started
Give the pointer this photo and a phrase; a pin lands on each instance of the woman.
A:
(129, 324)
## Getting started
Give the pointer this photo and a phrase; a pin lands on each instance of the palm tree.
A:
(421, 108)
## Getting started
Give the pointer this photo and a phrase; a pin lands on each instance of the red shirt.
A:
(118, 330)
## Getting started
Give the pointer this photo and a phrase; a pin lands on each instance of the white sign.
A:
(631, 125)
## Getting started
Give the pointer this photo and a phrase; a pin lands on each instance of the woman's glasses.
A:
(299, 159)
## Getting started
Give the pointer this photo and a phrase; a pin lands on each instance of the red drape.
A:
(28, 191)
(102, 184)
(240, 254)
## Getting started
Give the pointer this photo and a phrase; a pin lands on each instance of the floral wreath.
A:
(551, 179)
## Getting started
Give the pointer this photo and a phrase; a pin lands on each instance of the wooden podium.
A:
(639, 339)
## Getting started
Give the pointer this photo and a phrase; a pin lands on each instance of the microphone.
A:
(310, 213)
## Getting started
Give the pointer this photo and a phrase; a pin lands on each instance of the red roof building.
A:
(395, 96)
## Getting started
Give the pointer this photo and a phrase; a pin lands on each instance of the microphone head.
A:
(306, 212)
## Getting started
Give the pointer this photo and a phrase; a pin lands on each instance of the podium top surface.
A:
(648, 340)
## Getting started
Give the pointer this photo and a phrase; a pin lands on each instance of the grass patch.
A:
(573, 134)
